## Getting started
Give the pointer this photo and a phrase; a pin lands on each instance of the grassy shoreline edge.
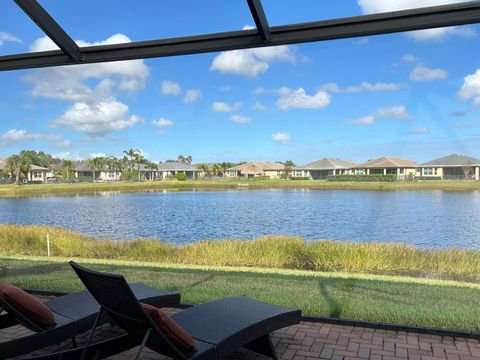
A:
(278, 252)
(42, 189)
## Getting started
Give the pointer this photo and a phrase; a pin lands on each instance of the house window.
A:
(37, 175)
(402, 171)
(428, 171)
(110, 174)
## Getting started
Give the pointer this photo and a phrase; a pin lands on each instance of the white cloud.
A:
(97, 119)
(240, 119)
(393, 112)
(259, 91)
(282, 138)
(67, 155)
(224, 107)
(409, 58)
(377, 6)
(251, 62)
(162, 122)
(366, 120)
(14, 137)
(470, 89)
(162, 133)
(4, 37)
(299, 99)
(248, 27)
(225, 88)
(89, 87)
(259, 107)
(169, 87)
(418, 131)
(97, 154)
(69, 82)
(192, 95)
(423, 73)
(364, 86)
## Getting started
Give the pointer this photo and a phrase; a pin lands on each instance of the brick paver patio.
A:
(311, 341)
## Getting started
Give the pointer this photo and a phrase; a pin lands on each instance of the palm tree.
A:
(225, 165)
(67, 167)
(204, 168)
(131, 154)
(95, 164)
(217, 169)
(139, 159)
(185, 159)
(18, 165)
(152, 167)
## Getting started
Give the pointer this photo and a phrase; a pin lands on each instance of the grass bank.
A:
(392, 299)
(42, 189)
(268, 252)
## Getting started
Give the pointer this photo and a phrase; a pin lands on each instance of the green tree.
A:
(37, 158)
(185, 159)
(204, 168)
(153, 168)
(217, 169)
(130, 153)
(18, 165)
(67, 168)
(95, 164)
(287, 171)
(139, 159)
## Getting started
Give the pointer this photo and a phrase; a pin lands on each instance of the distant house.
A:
(401, 168)
(323, 168)
(256, 169)
(36, 173)
(103, 174)
(451, 167)
(172, 168)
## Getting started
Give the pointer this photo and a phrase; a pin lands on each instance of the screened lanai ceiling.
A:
(263, 34)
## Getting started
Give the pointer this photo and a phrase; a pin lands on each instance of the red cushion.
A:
(28, 305)
(170, 328)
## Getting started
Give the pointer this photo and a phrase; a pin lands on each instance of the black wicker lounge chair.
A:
(74, 314)
(218, 328)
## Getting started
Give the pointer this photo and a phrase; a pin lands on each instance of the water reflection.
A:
(423, 218)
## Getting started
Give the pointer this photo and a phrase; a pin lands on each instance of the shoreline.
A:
(7, 191)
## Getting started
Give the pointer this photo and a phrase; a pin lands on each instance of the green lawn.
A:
(400, 300)
(39, 189)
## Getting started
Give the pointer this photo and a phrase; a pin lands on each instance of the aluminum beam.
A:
(50, 27)
(260, 19)
(366, 25)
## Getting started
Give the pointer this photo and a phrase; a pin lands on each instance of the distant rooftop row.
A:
(449, 167)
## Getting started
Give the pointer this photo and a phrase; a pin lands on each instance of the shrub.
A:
(300, 178)
(428, 178)
(181, 176)
(129, 176)
(366, 177)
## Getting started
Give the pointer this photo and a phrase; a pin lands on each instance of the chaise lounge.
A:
(217, 328)
(73, 313)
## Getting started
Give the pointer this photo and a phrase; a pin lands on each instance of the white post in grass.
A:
(48, 245)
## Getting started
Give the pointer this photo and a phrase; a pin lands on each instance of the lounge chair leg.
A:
(90, 338)
(74, 342)
(263, 345)
(142, 345)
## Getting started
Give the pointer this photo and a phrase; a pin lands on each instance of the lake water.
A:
(423, 218)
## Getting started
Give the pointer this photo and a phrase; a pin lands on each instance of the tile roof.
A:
(387, 162)
(176, 166)
(453, 160)
(3, 163)
(257, 167)
(327, 164)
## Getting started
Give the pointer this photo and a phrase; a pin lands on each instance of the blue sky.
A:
(415, 95)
